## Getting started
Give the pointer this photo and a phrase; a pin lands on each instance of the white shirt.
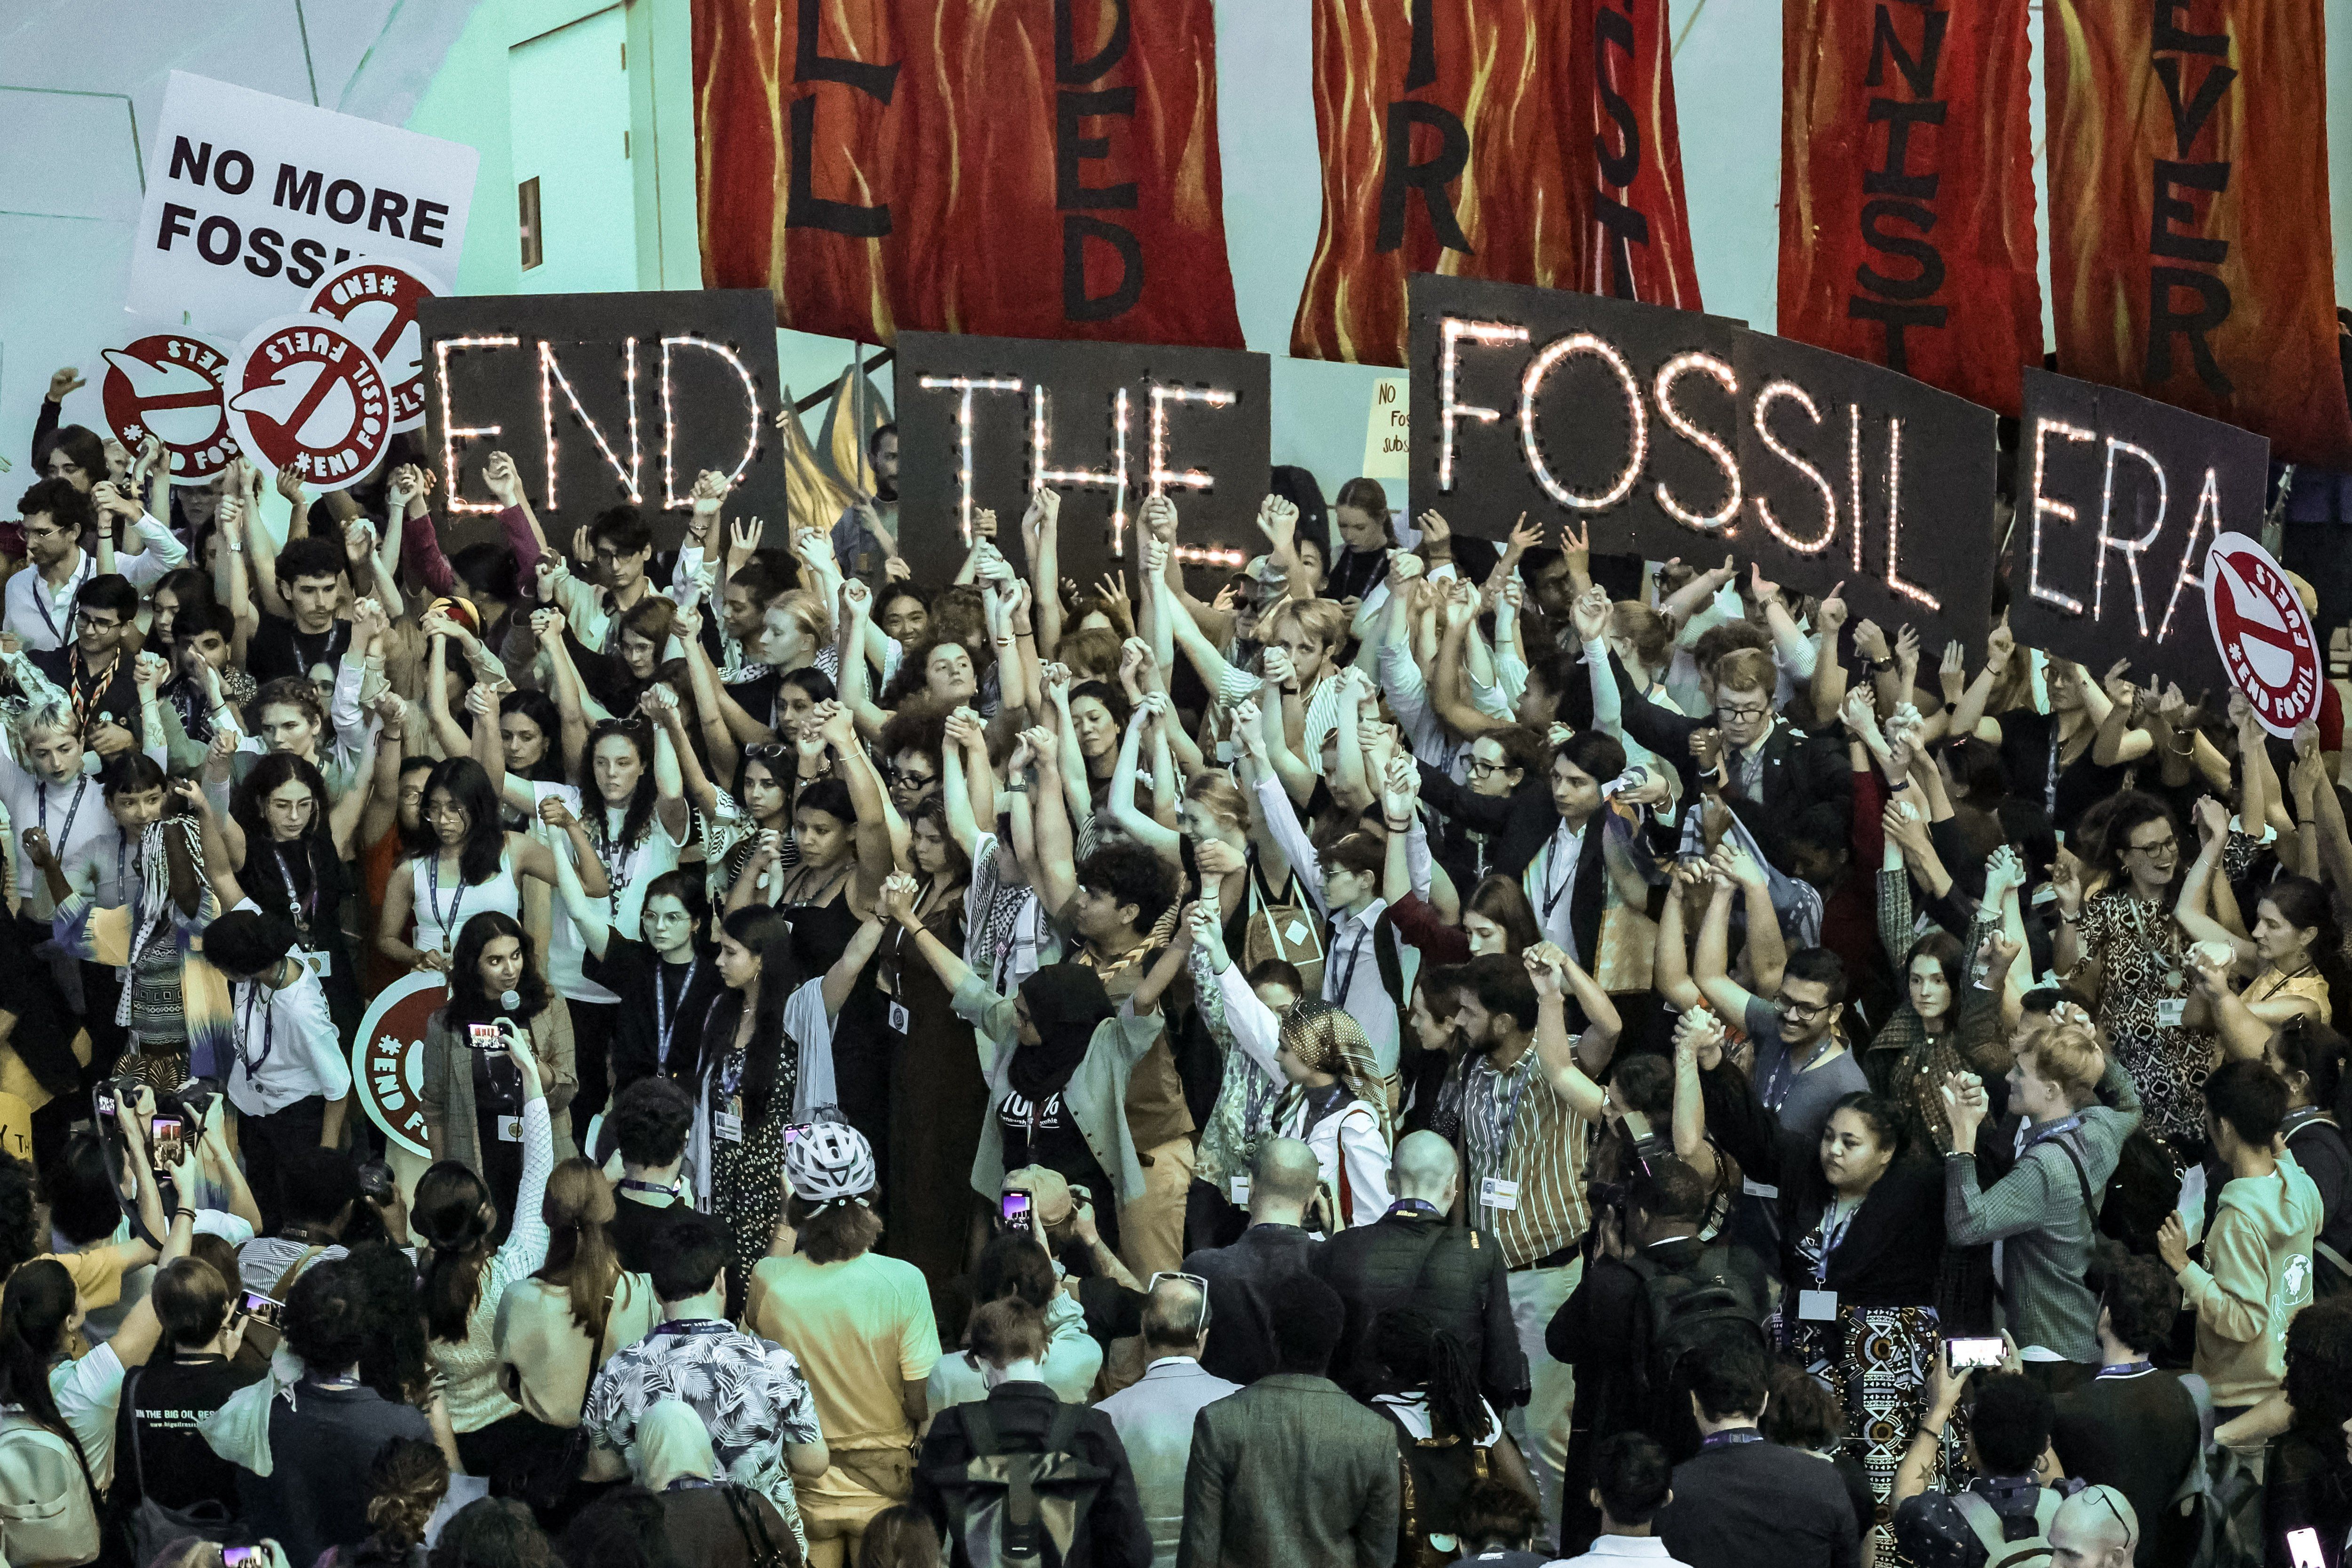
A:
(655, 855)
(29, 594)
(287, 1048)
(1609, 1551)
(1552, 885)
(74, 814)
(1351, 980)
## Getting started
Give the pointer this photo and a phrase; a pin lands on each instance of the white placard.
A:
(253, 199)
(1388, 431)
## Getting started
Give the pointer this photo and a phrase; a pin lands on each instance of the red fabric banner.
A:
(1033, 168)
(1624, 145)
(1441, 136)
(1906, 190)
(2189, 253)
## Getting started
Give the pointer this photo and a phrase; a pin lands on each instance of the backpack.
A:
(48, 1506)
(1704, 1305)
(1289, 929)
(2331, 1271)
(150, 1525)
(1018, 1509)
(1986, 1524)
(2226, 1492)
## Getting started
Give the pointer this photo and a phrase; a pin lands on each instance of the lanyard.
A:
(1560, 890)
(73, 586)
(255, 992)
(432, 899)
(121, 859)
(1510, 1112)
(2051, 1129)
(613, 862)
(294, 900)
(731, 1078)
(1416, 1205)
(2050, 782)
(664, 1025)
(1732, 1437)
(631, 1185)
(1348, 976)
(696, 1326)
(1774, 1096)
(1834, 1229)
(73, 809)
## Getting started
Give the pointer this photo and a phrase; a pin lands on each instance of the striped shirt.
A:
(1515, 1127)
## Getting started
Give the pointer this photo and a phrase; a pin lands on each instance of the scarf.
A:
(1066, 1003)
(674, 1445)
(1338, 1047)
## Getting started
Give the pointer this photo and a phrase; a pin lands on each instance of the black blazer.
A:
(1522, 823)
(1892, 1251)
(1807, 786)
(1455, 1276)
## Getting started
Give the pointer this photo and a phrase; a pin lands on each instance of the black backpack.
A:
(1704, 1304)
(1018, 1509)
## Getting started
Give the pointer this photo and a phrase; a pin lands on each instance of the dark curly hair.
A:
(1131, 874)
(2319, 1368)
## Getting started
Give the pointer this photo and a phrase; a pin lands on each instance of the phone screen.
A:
(265, 1308)
(2303, 1549)
(166, 1135)
(1016, 1210)
(485, 1037)
(243, 1557)
(1974, 1355)
(106, 1104)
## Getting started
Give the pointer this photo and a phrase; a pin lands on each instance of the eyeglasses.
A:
(1194, 1281)
(1805, 1009)
(1727, 714)
(2166, 846)
(2131, 1536)
(1481, 768)
(907, 778)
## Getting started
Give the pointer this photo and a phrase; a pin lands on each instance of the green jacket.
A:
(1096, 1092)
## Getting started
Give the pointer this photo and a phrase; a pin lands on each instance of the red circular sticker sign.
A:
(168, 387)
(378, 301)
(388, 1058)
(307, 393)
(2262, 633)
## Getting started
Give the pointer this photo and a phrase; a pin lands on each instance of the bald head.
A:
(2095, 1528)
(1175, 1317)
(1424, 1168)
(1282, 1181)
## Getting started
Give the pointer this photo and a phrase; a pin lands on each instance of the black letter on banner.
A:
(1453, 157)
(1889, 179)
(2188, 119)
(803, 208)
(1873, 235)
(2163, 321)
(1618, 168)
(1076, 304)
(1920, 72)
(2167, 209)
(1070, 148)
(1071, 72)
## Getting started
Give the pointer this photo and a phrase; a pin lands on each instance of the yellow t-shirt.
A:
(860, 1329)
(97, 1276)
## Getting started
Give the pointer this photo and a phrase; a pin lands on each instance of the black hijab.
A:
(1066, 1003)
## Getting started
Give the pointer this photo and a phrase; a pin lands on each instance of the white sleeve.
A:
(810, 1027)
(1252, 1023)
(1366, 1156)
(1290, 837)
(163, 553)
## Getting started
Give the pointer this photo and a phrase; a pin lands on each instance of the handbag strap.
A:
(596, 1345)
(285, 1281)
(750, 1526)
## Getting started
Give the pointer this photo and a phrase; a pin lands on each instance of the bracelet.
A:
(2074, 919)
(1900, 783)
(1398, 827)
(1881, 666)
(177, 1213)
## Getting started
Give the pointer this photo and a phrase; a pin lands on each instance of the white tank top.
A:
(440, 917)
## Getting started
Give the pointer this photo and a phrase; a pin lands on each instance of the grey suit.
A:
(1290, 1471)
(1154, 1418)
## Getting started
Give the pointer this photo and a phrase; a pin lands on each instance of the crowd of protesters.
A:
(1438, 1046)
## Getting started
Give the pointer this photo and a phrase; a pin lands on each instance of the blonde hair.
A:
(49, 713)
(1320, 619)
(1216, 790)
(1744, 670)
(2069, 1055)
(811, 612)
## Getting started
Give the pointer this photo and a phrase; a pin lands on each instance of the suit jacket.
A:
(1241, 1322)
(1154, 1418)
(1110, 1534)
(1807, 786)
(1455, 1277)
(1290, 1471)
(1749, 1503)
(1521, 824)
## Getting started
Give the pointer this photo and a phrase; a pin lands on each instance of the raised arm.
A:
(1710, 964)
(1554, 973)
(1120, 805)
(878, 825)
(1040, 538)
(2196, 888)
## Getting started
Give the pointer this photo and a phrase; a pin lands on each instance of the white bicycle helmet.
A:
(828, 1163)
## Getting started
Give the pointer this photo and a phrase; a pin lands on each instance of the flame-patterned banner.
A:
(1906, 190)
(1441, 127)
(1626, 150)
(2189, 253)
(1028, 168)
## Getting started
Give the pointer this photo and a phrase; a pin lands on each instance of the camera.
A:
(376, 1182)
